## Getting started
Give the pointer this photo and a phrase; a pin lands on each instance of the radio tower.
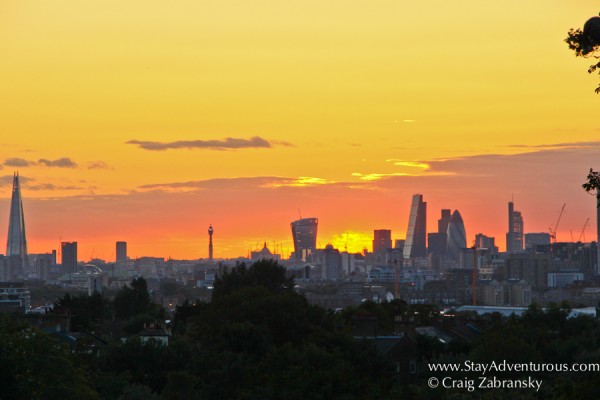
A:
(210, 246)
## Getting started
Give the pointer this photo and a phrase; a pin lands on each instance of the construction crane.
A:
(553, 230)
(582, 234)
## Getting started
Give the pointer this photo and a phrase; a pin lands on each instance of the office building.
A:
(304, 235)
(332, 263)
(416, 235)
(514, 236)
(121, 252)
(532, 240)
(69, 257)
(438, 241)
(485, 242)
(382, 240)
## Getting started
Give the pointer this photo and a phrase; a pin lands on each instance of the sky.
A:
(148, 121)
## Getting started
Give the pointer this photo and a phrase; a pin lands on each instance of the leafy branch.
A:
(586, 42)
(592, 186)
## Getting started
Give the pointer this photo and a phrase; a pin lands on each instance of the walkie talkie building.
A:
(304, 234)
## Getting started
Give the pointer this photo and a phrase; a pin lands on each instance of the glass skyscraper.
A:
(304, 234)
(457, 236)
(16, 244)
(514, 236)
(416, 235)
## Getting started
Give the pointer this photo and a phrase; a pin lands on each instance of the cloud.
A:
(558, 146)
(7, 180)
(411, 164)
(223, 144)
(63, 162)
(375, 176)
(301, 182)
(239, 183)
(410, 169)
(50, 186)
(98, 165)
(17, 162)
(282, 143)
(217, 183)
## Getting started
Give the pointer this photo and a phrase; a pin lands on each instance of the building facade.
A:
(16, 244)
(304, 235)
(532, 240)
(382, 243)
(69, 257)
(514, 236)
(457, 237)
(416, 234)
(121, 251)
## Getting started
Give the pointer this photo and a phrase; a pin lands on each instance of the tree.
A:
(36, 366)
(586, 42)
(85, 310)
(592, 186)
(264, 273)
(133, 300)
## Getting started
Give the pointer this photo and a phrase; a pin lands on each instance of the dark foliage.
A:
(34, 365)
(265, 273)
(586, 43)
(85, 310)
(134, 300)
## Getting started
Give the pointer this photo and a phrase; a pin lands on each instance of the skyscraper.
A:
(16, 244)
(514, 236)
(121, 252)
(457, 236)
(69, 257)
(382, 240)
(304, 234)
(332, 263)
(438, 241)
(416, 235)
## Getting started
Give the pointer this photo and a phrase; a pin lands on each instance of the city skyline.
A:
(146, 123)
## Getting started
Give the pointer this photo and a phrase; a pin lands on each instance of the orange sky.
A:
(147, 121)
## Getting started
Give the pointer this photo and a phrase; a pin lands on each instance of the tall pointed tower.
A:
(210, 245)
(16, 245)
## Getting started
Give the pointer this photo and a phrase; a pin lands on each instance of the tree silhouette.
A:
(592, 186)
(586, 42)
(134, 300)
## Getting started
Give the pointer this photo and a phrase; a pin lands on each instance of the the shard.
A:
(16, 244)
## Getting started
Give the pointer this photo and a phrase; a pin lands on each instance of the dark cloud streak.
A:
(224, 144)
(17, 162)
(63, 162)
(98, 165)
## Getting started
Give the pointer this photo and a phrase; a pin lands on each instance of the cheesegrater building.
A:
(416, 235)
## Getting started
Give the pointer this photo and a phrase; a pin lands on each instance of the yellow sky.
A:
(340, 89)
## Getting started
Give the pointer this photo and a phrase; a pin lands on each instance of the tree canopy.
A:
(586, 42)
(35, 365)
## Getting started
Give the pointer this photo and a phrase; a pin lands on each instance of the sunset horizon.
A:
(147, 123)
